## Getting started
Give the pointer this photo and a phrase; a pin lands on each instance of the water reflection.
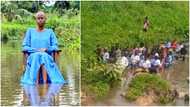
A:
(42, 95)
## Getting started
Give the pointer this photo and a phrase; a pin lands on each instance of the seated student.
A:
(155, 64)
(168, 44)
(123, 61)
(106, 55)
(147, 63)
(142, 60)
(169, 60)
(135, 58)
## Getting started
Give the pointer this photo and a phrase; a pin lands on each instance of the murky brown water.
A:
(12, 93)
(177, 75)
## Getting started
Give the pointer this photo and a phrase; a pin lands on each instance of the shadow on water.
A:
(12, 93)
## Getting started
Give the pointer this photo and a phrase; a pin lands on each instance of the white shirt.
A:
(124, 61)
(147, 64)
(135, 58)
(106, 56)
(157, 62)
(141, 63)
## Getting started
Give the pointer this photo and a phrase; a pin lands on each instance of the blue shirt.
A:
(35, 40)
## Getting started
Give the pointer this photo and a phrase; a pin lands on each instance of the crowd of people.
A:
(154, 60)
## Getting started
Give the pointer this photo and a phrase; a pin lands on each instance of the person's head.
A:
(136, 52)
(156, 55)
(40, 18)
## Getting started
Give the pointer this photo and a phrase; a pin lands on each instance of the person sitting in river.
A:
(169, 60)
(123, 61)
(39, 43)
(135, 58)
(106, 55)
(142, 60)
(155, 63)
(147, 63)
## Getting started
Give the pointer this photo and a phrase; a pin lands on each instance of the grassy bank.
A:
(108, 23)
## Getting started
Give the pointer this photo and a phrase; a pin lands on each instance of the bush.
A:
(99, 77)
(99, 89)
(143, 83)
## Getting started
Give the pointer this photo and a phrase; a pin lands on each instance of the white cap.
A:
(156, 54)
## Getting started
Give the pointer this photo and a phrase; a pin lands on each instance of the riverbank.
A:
(177, 76)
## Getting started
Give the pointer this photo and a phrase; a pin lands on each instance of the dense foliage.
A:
(17, 16)
(144, 83)
(109, 23)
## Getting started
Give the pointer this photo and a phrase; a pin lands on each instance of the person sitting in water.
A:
(155, 64)
(142, 59)
(169, 60)
(39, 43)
(106, 55)
(123, 61)
(135, 58)
(168, 44)
(147, 63)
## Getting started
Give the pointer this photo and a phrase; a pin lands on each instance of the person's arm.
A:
(53, 42)
(26, 44)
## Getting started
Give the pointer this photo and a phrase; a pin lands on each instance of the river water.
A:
(177, 75)
(13, 94)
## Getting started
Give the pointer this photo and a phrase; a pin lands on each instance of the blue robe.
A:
(33, 41)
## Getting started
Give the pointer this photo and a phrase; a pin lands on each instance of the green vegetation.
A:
(110, 23)
(65, 21)
(99, 78)
(144, 83)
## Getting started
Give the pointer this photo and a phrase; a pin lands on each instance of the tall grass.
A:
(110, 23)
(107, 23)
